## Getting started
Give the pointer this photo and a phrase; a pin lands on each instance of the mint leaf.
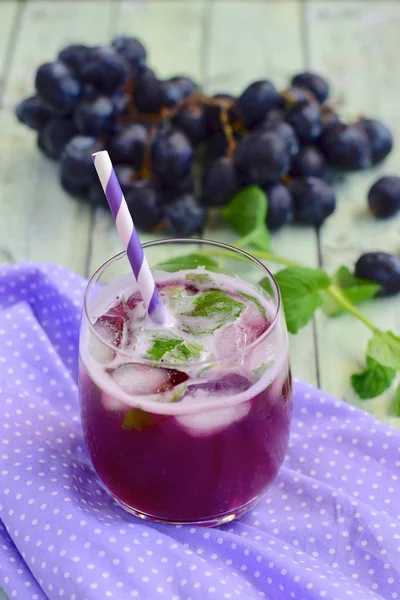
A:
(188, 261)
(217, 307)
(137, 419)
(300, 288)
(353, 288)
(266, 284)
(396, 406)
(384, 347)
(200, 278)
(373, 381)
(174, 349)
(246, 213)
(161, 346)
(260, 307)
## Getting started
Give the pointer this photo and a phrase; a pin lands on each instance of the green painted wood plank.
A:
(356, 45)
(38, 221)
(172, 32)
(9, 10)
(233, 61)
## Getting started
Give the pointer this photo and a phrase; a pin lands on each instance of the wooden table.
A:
(354, 43)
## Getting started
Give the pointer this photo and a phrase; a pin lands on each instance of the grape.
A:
(191, 121)
(286, 132)
(380, 138)
(77, 190)
(120, 101)
(57, 87)
(178, 188)
(296, 95)
(145, 204)
(184, 216)
(76, 167)
(131, 49)
(309, 162)
(33, 113)
(55, 135)
(329, 117)
(382, 268)
(262, 157)
(346, 146)
(176, 89)
(213, 112)
(128, 145)
(94, 116)
(256, 101)
(105, 69)
(305, 118)
(74, 56)
(276, 115)
(314, 83)
(384, 197)
(219, 182)
(314, 200)
(147, 93)
(171, 155)
(280, 206)
(217, 145)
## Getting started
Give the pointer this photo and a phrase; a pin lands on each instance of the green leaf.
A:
(353, 288)
(137, 419)
(384, 347)
(174, 349)
(373, 381)
(300, 288)
(396, 406)
(246, 213)
(218, 307)
(260, 307)
(188, 261)
(266, 284)
(200, 278)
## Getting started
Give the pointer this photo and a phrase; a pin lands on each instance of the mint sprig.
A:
(373, 381)
(384, 347)
(174, 349)
(353, 288)
(247, 213)
(217, 308)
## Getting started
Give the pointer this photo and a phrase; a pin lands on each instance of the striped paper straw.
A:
(129, 237)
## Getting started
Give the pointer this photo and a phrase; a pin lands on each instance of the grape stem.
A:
(333, 290)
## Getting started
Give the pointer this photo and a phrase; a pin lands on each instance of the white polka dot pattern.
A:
(329, 527)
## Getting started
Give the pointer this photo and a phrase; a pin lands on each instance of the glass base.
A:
(214, 521)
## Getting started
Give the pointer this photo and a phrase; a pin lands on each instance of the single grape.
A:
(145, 204)
(128, 144)
(277, 115)
(176, 89)
(256, 101)
(286, 132)
(314, 200)
(148, 93)
(305, 118)
(105, 69)
(380, 138)
(384, 197)
(346, 147)
(76, 166)
(57, 87)
(131, 49)
(33, 112)
(73, 188)
(314, 83)
(219, 182)
(74, 56)
(171, 155)
(178, 188)
(381, 267)
(309, 162)
(184, 216)
(280, 206)
(191, 121)
(262, 157)
(55, 135)
(94, 116)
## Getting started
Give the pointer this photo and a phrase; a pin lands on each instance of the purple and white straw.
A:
(129, 237)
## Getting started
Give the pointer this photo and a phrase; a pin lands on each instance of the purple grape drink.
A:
(188, 423)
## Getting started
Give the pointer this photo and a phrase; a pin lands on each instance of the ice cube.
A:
(229, 340)
(140, 380)
(212, 421)
(109, 329)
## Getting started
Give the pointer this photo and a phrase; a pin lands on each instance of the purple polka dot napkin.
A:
(329, 527)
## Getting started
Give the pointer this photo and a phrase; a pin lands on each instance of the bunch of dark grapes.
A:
(178, 152)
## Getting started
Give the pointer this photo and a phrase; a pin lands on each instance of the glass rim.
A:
(182, 364)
